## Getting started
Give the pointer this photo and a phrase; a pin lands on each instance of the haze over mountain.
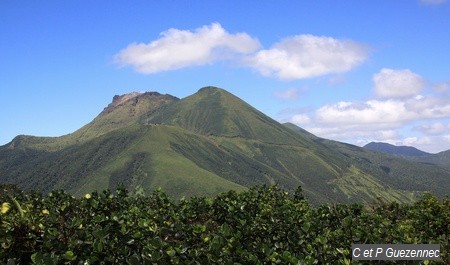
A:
(204, 144)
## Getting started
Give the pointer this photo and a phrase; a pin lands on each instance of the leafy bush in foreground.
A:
(264, 225)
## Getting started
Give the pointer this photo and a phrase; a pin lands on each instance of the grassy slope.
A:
(257, 144)
(441, 159)
(360, 186)
(393, 175)
(151, 162)
(215, 112)
(204, 144)
(135, 155)
(400, 173)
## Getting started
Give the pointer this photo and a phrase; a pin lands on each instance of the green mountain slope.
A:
(204, 144)
(215, 112)
(441, 159)
(393, 172)
(135, 155)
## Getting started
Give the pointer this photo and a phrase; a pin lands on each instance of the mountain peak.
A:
(119, 100)
(124, 110)
(215, 111)
(209, 89)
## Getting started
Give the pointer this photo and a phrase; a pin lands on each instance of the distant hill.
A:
(441, 159)
(395, 150)
(205, 144)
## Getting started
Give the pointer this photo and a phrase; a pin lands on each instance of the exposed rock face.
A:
(12, 145)
(119, 100)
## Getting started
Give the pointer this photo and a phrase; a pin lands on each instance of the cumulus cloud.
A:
(297, 57)
(289, 94)
(400, 115)
(435, 128)
(362, 135)
(305, 56)
(382, 120)
(181, 48)
(373, 112)
(390, 83)
(414, 141)
(388, 112)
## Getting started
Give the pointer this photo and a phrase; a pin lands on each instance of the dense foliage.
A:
(264, 225)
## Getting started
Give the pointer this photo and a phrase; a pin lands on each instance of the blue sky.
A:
(353, 71)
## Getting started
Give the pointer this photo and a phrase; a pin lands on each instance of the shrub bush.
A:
(264, 225)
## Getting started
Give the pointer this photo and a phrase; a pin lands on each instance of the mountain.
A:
(441, 159)
(205, 144)
(395, 150)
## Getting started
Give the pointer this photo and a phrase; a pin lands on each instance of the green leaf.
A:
(171, 252)
(134, 260)
(69, 255)
(306, 226)
(37, 258)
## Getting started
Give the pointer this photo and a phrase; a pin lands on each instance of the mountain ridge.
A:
(396, 150)
(206, 143)
(411, 153)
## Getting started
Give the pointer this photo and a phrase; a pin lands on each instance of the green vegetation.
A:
(263, 225)
(441, 159)
(363, 186)
(204, 144)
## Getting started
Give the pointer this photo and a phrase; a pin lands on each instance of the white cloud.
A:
(431, 144)
(289, 94)
(415, 141)
(363, 135)
(447, 138)
(300, 119)
(386, 135)
(373, 112)
(403, 117)
(382, 120)
(305, 56)
(391, 112)
(435, 128)
(390, 83)
(181, 48)
(341, 133)
(297, 57)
